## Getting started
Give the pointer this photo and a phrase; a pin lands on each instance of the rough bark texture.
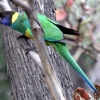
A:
(25, 77)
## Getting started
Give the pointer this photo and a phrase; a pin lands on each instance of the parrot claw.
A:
(30, 49)
(22, 36)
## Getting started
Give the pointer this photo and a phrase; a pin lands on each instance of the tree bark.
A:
(25, 77)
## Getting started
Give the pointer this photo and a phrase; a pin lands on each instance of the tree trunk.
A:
(25, 77)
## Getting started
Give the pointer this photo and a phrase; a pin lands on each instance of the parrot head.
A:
(6, 17)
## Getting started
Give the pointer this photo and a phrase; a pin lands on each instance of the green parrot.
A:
(54, 34)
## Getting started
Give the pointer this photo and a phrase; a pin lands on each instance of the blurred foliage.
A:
(59, 3)
(4, 83)
(84, 16)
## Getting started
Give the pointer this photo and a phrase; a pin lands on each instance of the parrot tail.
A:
(63, 51)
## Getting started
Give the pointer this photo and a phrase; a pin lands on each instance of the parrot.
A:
(54, 34)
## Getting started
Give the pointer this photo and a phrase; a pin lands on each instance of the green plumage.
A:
(54, 35)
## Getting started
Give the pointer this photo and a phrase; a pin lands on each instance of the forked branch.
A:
(53, 83)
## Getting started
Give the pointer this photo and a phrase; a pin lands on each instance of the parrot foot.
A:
(23, 36)
(30, 49)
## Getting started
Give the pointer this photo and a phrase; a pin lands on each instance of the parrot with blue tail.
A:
(54, 34)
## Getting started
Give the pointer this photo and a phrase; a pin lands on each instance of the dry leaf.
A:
(81, 94)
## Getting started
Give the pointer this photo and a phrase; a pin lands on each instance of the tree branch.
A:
(50, 75)
(34, 56)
